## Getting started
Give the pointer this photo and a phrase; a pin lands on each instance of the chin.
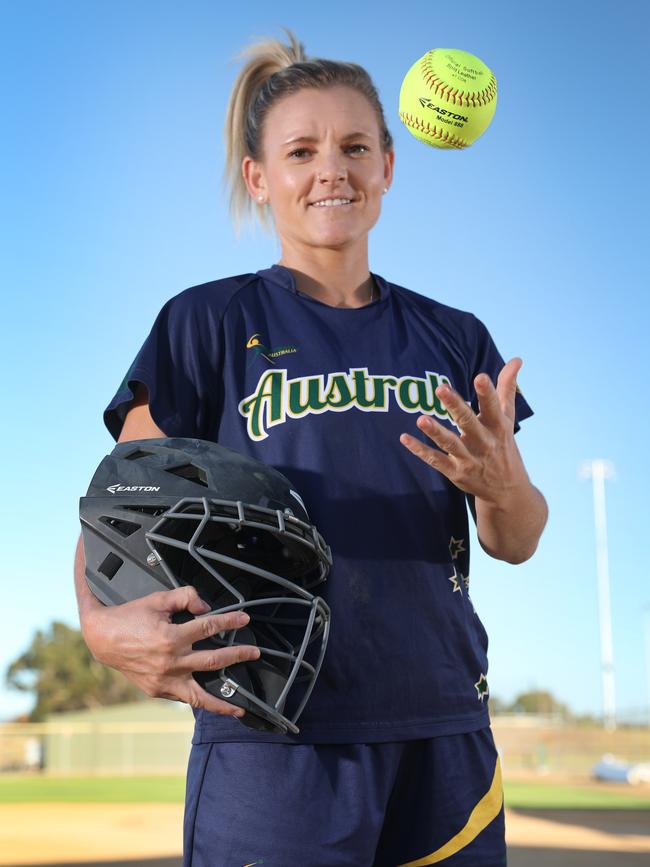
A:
(338, 236)
(335, 241)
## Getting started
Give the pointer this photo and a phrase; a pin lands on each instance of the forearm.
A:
(511, 531)
(86, 601)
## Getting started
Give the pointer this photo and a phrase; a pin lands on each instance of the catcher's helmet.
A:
(161, 513)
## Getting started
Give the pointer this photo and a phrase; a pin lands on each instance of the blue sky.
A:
(111, 162)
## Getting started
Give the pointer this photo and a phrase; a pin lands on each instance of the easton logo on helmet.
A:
(117, 489)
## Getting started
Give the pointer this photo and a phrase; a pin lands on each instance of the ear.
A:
(389, 164)
(253, 175)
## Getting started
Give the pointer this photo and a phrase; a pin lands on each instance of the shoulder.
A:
(212, 298)
(461, 326)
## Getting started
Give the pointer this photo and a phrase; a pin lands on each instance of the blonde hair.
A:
(275, 70)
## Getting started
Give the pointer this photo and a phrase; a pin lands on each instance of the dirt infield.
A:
(580, 830)
(89, 833)
(150, 835)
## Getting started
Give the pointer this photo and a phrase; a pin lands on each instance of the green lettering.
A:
(360, 379)
(404, 393)
(435, 380)
(297, 404)
(340, 384)
(426, 399)
(381, 383)
(268, 397)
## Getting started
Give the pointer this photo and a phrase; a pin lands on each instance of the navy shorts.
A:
(434, 801)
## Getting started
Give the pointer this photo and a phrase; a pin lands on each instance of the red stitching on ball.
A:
(432, 132)
(431, 78)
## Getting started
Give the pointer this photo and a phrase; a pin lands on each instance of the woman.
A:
(321, 368)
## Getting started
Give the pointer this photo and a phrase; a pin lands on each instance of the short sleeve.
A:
(489, 360)
(178, 364)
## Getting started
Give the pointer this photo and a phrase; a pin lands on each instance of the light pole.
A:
(598, 471)
(646, 630)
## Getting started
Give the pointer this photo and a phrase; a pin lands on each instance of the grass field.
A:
(92, 790)
(593, 796)
(166, 790)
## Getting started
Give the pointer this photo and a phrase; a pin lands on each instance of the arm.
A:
(511, 531)
(138, 425)
(139, 639)
(485, 463)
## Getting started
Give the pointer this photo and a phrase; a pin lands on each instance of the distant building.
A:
(152, 736)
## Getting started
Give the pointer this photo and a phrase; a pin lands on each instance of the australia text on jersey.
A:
(277, 398)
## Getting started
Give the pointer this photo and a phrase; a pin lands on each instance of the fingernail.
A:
(239, 713)
(242, 617)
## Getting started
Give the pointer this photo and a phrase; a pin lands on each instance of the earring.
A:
(385, 189)
(260, 198)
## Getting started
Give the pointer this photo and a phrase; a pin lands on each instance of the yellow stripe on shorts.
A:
(483, 813)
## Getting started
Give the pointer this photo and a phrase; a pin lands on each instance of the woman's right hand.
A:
(139, 639)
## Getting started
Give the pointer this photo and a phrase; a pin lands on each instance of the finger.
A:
(507, 386)
(461, 414)
(215, 660)
(179, 599)
(436, 459)
(192, 693)
(210, 624)
(445, 439)
(488, 402)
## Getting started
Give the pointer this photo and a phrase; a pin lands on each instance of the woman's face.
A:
(319, 145)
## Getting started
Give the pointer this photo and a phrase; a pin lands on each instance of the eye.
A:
(300, 151)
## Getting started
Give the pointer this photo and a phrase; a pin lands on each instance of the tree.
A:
(539, 701)
(60, 670)
(497, 705)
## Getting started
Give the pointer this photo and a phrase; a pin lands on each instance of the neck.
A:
(337, 280)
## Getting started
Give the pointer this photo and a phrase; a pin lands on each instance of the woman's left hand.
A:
(484, 459)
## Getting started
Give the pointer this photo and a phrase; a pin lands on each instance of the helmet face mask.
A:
(244, 540)
(258, 554)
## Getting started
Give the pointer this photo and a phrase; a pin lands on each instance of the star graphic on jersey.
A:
(454, 580)
(482, 687)
(455, 547)
(465, 581)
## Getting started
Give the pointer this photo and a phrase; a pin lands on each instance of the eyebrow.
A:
(311, 138)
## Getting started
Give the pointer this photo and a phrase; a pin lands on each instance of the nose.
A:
(332, 171)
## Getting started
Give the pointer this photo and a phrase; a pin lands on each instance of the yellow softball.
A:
(448, 98)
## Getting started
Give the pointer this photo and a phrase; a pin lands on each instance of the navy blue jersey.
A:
(323, 393)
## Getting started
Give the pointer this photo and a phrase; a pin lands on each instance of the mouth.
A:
(331, 203)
